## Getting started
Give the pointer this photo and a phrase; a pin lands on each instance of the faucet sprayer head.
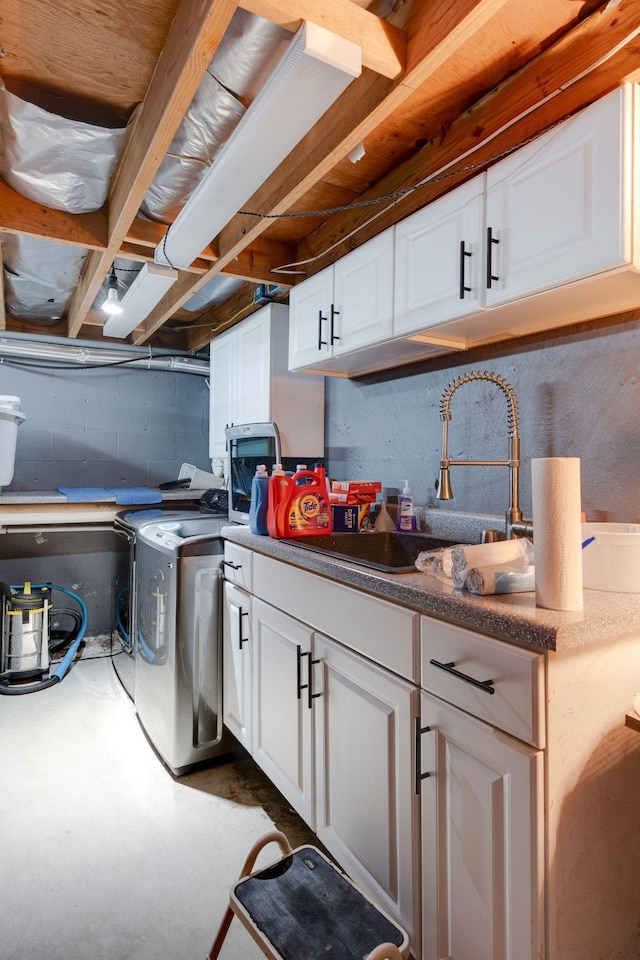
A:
(443, 485)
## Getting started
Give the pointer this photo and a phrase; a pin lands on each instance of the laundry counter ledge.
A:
(33, 510)
(512, 617)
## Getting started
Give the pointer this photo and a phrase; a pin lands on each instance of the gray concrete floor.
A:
(103, 853)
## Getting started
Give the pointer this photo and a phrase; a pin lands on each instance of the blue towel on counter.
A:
(129, 495)
(86, 494)
(122, 495)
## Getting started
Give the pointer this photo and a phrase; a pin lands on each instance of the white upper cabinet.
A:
(545, 238)
(556, 208)
(250, 383)
(341, 319)
(345, 307)
(440, 260)
(308, 332)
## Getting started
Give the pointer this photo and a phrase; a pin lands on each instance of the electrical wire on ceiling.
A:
(391, 198)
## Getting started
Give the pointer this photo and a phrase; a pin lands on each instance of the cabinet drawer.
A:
(514, 701)
(381, 631)
(238, 565)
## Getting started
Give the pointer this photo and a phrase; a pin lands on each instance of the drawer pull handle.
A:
(486, 685)
(241, 613)
(308, 686)
(463, 254)
(420, 776)
(491, 241)
(234, 566)
(321, 343)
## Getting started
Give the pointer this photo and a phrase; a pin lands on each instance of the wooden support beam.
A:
(383, 45)
(23, 216)
(596, 56)
(3, 314)
(219, 318)
(362, 107)
(195, 33)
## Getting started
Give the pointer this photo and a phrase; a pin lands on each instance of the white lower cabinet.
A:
(237, 652)
(483, 793)
(366, 809)
(282, 733)
(482, 873)
(333, 731)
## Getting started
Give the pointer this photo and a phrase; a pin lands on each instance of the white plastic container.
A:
(612, 560)
(200, 479)
(10, 418)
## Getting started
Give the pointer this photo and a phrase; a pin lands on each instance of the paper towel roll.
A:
(555, 488)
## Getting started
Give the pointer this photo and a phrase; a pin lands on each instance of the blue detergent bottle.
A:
(259, 501)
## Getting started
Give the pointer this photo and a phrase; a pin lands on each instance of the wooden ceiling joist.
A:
(383, 45)
(553, 85)
(195, 33)
(3, 314)
(22, 216)
(363, 106)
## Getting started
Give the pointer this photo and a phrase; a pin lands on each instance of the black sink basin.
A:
(391, 552)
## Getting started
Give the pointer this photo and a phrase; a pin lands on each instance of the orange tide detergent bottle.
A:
(302, 504)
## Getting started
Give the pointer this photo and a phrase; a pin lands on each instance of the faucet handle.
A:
(491, 536)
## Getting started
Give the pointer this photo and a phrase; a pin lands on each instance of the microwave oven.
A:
(248, 445)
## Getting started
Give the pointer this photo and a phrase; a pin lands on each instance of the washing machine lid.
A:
(175, 533)
(134, 520)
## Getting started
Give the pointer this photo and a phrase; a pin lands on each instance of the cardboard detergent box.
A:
(356, 486)
(349, 518)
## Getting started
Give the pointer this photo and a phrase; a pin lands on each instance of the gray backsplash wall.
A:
(106, 427)
(578, 396)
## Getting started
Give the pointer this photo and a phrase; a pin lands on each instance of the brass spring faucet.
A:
(514, 524)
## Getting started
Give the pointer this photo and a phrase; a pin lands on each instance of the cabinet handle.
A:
(234, 566)
(419, 775)
(334, 313)
(308, 686)
(321, 343)
(486, 685)
(463, 253)
(241, 613)
(490, 242)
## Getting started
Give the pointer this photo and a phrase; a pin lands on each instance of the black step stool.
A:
(303, 908)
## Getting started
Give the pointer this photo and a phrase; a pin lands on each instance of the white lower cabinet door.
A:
(282, 729)
(236, 664)
(482, 864)
(366, 806)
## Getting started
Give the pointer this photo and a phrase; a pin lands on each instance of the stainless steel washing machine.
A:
(178, 658)
(126, 525)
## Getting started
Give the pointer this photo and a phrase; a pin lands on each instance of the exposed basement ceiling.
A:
(446, 87)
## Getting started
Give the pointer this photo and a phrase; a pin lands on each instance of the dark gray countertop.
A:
(513, 617)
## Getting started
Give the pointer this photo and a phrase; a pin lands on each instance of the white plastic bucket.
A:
(611, 561)
(10, 418)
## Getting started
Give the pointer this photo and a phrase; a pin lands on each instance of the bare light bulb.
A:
(112, 303)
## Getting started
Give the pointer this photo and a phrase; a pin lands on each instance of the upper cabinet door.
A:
(439, 260)
(309, 319)
(555, 208)
(363, 296)
(222, 391)
(254, 368)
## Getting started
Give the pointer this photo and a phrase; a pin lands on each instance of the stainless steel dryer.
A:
(178, 661)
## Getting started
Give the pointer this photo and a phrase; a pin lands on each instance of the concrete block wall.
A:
(106, 427)
(110, 426)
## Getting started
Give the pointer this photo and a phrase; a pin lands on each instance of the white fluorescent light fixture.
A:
(315, 69)
(145, 293)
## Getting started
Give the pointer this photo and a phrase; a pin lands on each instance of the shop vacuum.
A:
(27, 640)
